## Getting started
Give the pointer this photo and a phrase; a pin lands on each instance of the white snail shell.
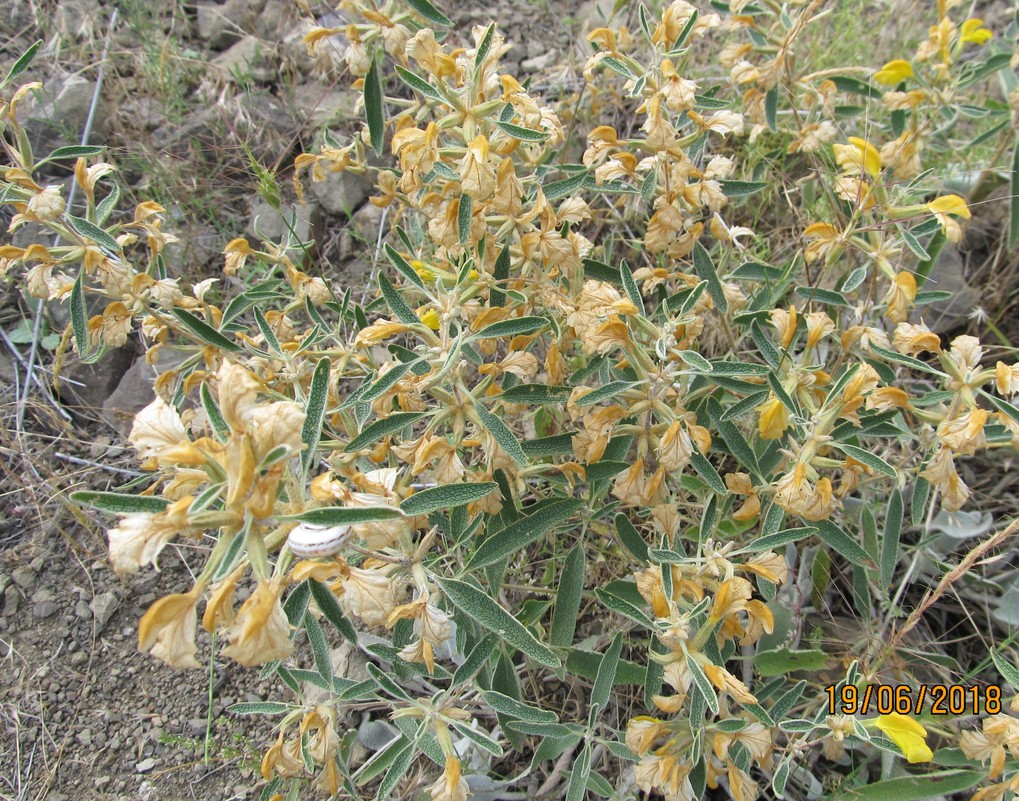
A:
(313, 542)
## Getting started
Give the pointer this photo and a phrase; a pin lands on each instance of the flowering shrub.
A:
(594, 431)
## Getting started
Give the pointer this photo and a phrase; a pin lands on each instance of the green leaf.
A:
(94, 232)
(315, 411)
(902, 358)
(327, 603)
(214, 414)
(780, 538)
(486, 44)
(429, 12)
(500, 273)
(511, 328)
(818, 295)
(707, 471)
(475, 660)
(418, 84)
(624, 607)
(120, 504)
(483, 741)
(601, 272)
(72, 152)
(79, 318)
(402, 311)
(205, 332)
(610, 390)
(522, 133)
(700, 679)
(568, 596)
(446, 497)
(373, 105)
(705, 269)
(695, 360)
(518, 710)
(842, 543)
(855, 278)
(684, 34)
(500, 433)
(585, 665)
(866, 457)
(343, 516)
(606, 678)
(406, 755)
(631, 538)
(549, 446)
(577, 788)
(267, 332)
(22, 63)
(319, 648)
(535, 394)
(912, 788)
(571, 730)
(890, 542)
(918, 500)
(464, 212)
(523, 532)
(382, 428)
(567, 186)
(742, 188)
(260, 708)
(855, 86)
(785, 660)
(913, 244)
(1008, 671)
(771, 109)
(381, 386)
(632, 290)
(486, 612)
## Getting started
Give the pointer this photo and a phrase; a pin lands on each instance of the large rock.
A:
(948, 274)
(57, 116)
(133, 391)
(269, 224)
(342, 192)
(84, 388)
(246, 60)
(222, 24)
(316, 105)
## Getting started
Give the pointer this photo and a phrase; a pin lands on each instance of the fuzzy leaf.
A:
(483, 610)
(446, 497)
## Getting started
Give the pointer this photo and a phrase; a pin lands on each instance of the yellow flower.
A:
(430, 318)
(370, 594)
(973, 31)
(949, 204)
(858, 156)
(46, 204)
(893, 72)
(236, 252)
(138, 538)
(423, 272)
(774, 419)
(157, 428)
(167, 629)
(451, 785)
(906, 733)
(899, 299)
(261, 631)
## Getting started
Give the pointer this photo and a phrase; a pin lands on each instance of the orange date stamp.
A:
(885, 699)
